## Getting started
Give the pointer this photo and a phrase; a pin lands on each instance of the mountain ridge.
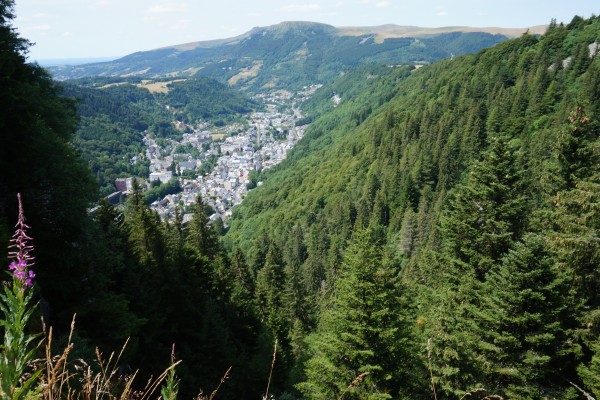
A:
(385, 31)
(288, 55)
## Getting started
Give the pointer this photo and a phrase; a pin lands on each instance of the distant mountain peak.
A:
(293, 53)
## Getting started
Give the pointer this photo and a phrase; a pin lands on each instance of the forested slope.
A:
(434, 235)
(474, 185)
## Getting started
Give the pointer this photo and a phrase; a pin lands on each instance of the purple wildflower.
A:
(20, 250)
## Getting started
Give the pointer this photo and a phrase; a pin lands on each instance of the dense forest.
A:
(435, 235)
(438, 230)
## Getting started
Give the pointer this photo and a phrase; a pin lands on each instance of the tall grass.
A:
(57, 376)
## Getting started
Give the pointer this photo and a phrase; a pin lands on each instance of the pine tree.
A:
(574, 231)
(270, 284)
(523, 320)
(487, 213)
(361, 345)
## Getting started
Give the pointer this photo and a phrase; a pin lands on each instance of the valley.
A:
(258, 144)
(306, 212)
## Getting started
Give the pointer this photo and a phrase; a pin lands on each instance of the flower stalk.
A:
(17, 350)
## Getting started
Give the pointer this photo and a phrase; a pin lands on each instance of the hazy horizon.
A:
(80, 29)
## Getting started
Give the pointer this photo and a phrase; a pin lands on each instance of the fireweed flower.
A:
(20, 272)
(20, 250)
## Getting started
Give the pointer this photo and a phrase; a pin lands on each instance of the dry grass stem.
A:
(154, 385)
(430, 369)
(60, 374)
(271, 373)
(214, 392)
(354, 383)
(480, 390)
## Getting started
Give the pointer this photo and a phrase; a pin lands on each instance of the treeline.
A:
(287, 56)
(442, 242)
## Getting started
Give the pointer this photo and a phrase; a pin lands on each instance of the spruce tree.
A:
(484, 218)
(145, 234)
(270, 286)
(575, 225)
(523, 320)
(361, 346)
(201, 236)
(487, 212)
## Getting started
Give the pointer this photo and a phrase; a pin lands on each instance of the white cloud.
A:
(167, 8)
(364, 1)
(382, 4)
(301, 7)
(103, 3)
(442, 13)
(67, 34)
(254, 14)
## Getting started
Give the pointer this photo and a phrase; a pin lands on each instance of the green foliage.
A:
(203, 98)
(208, 165)
(465, 186)
(270, 282)
(289, 56)
(18, 348)
(160, 191)
(363, 333)
(487, 213)
(525, 312)
(458, 168)
(170, 388)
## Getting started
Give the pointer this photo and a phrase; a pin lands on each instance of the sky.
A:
(64, 29)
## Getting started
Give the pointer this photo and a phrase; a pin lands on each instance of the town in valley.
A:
(220, 163)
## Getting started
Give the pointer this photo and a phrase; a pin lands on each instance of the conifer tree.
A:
(361, 345)
(486, 213)
(484, 217)
(242, 292)
(200, 234)
(575, 228)
(270, 285)
(523, 320)
(145, 234)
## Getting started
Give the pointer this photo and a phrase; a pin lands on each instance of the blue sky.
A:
(110, 28)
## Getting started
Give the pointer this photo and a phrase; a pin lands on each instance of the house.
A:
(163, 176)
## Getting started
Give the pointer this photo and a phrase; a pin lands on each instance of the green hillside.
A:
(465, 174)
(433, 235)
(288, 55)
